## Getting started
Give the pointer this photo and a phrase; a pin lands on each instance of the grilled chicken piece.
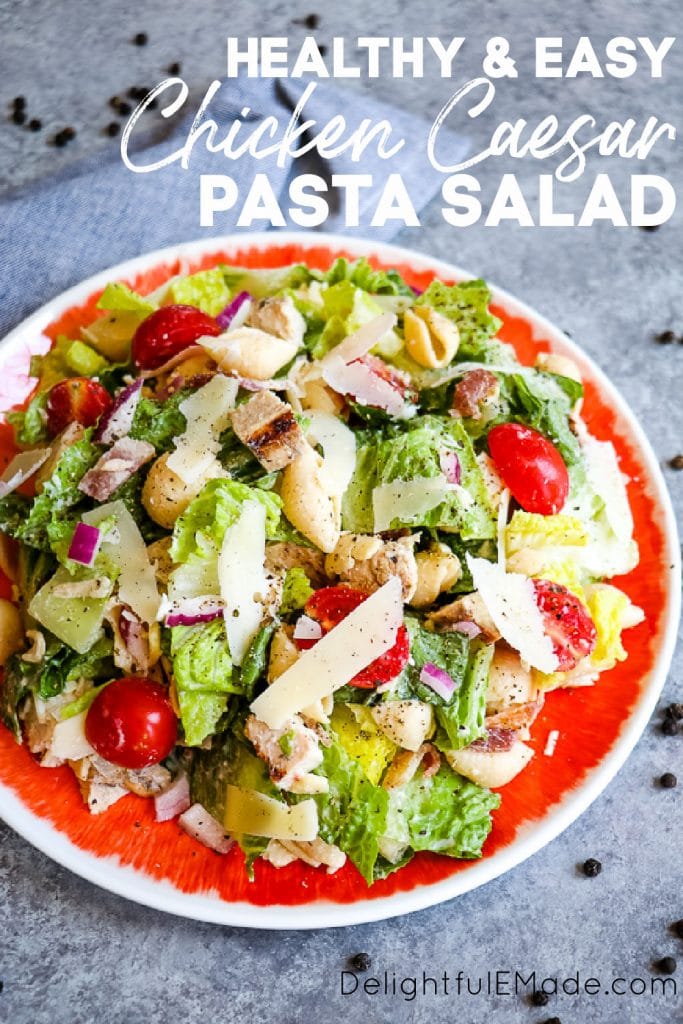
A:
(291, 754)
(278, 316)
(470, 608)
(284, 555)
(368, 562)
(102, 783)
(266, 425)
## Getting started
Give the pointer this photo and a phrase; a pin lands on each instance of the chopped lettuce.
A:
(201, 528)
(543, 401)
(445, 814)
(361, 274)
(203, 673)
(357, 732)
(462, 719)
(531, 530)
(414, 454)
(261, 283)
(207, 290)
(77, 621)
(30, 424)
(159, 422)
(253, 668)
(607, 606)
(119, 297)
(467, 305)
(353, 813)
(296, 591)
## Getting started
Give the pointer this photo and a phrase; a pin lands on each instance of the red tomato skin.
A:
(567, 622)
(329, 606)
(168, 331)
(131, 723)
(530, 466)
(75, 400)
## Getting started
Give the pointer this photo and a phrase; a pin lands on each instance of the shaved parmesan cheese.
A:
(503, 509)
(207, 412)
(368, 388)
(22, 466)
(137, 581)
(248, 812)
(369, 631)
(609, 483)
(339, 449)
(511, 602)
(68, 741)
(242, 577)
(362, 340)
(407, 500)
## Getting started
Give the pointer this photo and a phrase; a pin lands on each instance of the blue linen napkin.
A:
(98, 213)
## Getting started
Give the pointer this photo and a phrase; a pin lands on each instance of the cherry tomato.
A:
(131, 723)
(531, 466)
(329, 606)
(76, 400)
(168, 331)
(566, 622)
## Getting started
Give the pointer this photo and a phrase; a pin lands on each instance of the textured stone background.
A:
(71, 953)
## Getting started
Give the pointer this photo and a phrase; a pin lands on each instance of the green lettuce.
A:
(253, 668)
(362, 275)
(445, 814)
(416, 453)
(353, 813)
(262, 283)
(119, 297)
(201, 528)
(203, 673)
(467, 305)
(207, 290)
(158, 422)
(30, 424)
(461, 719)
(296, 591)
(544, 401)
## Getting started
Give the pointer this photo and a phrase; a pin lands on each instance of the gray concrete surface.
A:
(70, 953)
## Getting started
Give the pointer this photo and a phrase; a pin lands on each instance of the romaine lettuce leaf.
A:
(261, 283)
(416, 453)
(462, 719)
(540, 401)
(362, 275)
(118, 296)
(203, 673)
(446, 814)
(207, 290)
(158, 422)
(467, 305)
(358, 734)
(30, 424)
(201, 528)
(296, 591)
(253, 668)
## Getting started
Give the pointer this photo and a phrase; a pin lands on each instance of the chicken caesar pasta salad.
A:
(300, 554)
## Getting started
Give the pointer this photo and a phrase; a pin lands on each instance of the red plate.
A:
(124, 850)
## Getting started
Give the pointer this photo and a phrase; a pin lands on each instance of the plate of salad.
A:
(334, 582)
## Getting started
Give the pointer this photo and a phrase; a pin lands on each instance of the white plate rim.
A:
(160, 895)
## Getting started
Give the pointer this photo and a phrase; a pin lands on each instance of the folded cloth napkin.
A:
(55, 233)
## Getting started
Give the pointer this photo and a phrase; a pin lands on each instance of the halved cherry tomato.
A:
(531, 466)
(329, 606)
(566, 622)
(76, 400)
(168, 331)
(131, 723)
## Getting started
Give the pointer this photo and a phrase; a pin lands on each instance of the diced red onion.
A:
(199, 824)
(189, 611)
(173, 801)
(85, 544)
(118, 420)
(468, 628)
(450, 466)
(226, 317)
(22, 466)
(307, 629)
(438, 680)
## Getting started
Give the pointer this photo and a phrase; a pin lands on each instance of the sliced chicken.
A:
(267, 426)
(368, 562)
(291, 754)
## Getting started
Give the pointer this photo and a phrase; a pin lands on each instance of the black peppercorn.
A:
(677, 928)
(312, 20)
(670, 727)
(648, 227)
(668, 780)
(69, 133)
(60, 140)
(175, 68)
(140, 39)
(539, 998)
(113, 128)
(123, 108)
(667, 965)
(674, 711)
(552, 1020)
(137, 92)
(35, 124)
(676, 462)
(360, 962)
(665, 337)
(592, 867)
(19, 102)
(18, 115)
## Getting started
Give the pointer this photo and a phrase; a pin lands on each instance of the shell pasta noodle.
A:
(303, 553)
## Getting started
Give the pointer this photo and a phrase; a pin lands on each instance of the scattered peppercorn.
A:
(60, 140)
(674, 711)
(19, 102)
(539, 998)
(360, 962)
(668, 780)
(69, 133)
(665, 337)
(113, 128)
(648, 227)
(114, 101)
(676, 462)
(18, 115)
(677, 928)
(592, 867)
(175, 68)
(667, 965)
(123, 108)
(35, 124)
(670, 727)
(552, 1020)
(312, 20)
(137, 92)
(141, 39)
